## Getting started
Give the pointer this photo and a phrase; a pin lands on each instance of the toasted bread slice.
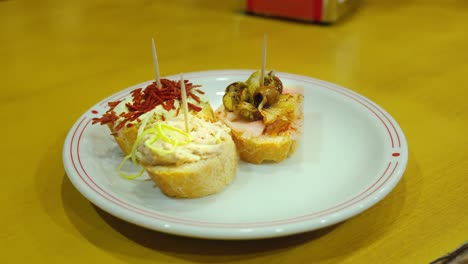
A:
(257, 143)
(197, 179)
(264, 148)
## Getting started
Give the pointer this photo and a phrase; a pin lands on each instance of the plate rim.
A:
(255, 230)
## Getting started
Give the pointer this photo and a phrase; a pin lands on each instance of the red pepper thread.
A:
(145, 100)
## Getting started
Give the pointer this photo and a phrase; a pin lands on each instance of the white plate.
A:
(351, 156)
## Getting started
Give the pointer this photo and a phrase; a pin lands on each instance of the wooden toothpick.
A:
(156, 65)
(184, 102)
(262, 70)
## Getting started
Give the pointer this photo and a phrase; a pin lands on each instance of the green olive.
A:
(266, 95)
(244, 95)
(230, 100)
(235, 87)
(272, 80)
(247, 111)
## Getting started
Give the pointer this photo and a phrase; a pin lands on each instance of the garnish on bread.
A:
(190, 164)
(149, 128)
(149, 105)
(265, 120)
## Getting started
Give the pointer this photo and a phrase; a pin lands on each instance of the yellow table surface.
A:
(58, 58)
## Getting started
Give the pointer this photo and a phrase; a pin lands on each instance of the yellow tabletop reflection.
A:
(58, 58)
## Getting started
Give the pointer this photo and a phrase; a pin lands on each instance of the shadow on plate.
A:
(188, 245)
(131, 242)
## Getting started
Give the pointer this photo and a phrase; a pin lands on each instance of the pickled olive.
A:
(247, 99)
(248, 111)
(266, 95)
(230, 100)
(272, 80)
(235, 87)
(244, 95)
(278, 84)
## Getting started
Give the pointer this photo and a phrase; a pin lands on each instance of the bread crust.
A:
(266, 147)
(125, 137)
(197, 179)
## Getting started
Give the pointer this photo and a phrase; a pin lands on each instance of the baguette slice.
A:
(254, 142)
(263, 148)
(126, 136)
(197, 179)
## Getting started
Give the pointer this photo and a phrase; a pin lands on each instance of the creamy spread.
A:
(203, 144)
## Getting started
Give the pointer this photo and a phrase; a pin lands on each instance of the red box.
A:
(305, 10)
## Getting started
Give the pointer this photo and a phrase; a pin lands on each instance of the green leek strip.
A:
(137, 142)
(129, 176)
(149, 142)
(161, 131)
(132, 155)
(165, 131)
(143, 123)
(163, 136)
(218, 136)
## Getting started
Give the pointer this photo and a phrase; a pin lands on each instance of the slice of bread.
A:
(197, 179)
(263, 148)
(258, 145)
